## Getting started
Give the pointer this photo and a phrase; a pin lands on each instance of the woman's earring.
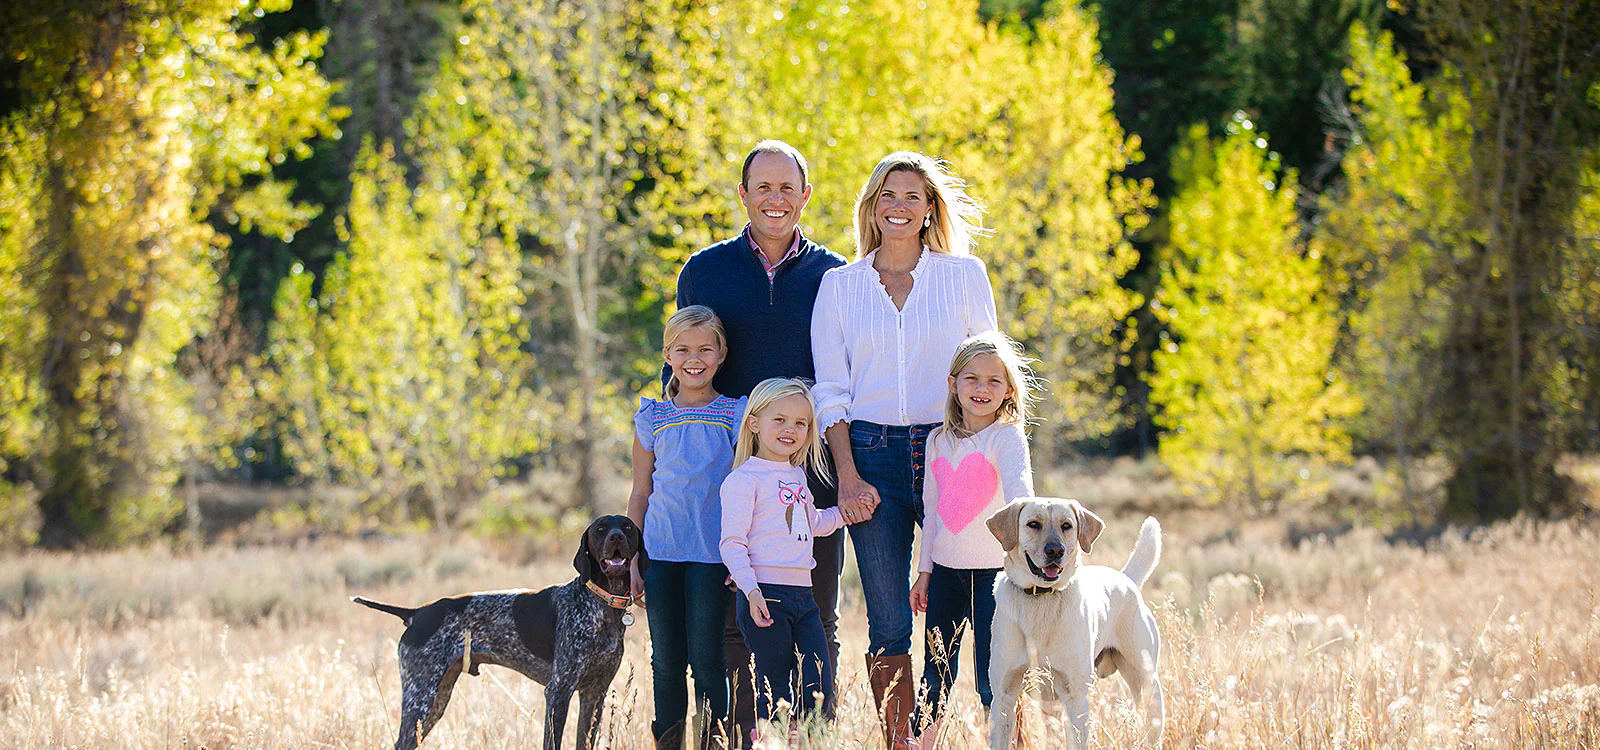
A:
(927, 221)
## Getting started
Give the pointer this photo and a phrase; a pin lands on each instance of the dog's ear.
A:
(1089, 526)
(584, 560)
(640, 555)
(1003, 524)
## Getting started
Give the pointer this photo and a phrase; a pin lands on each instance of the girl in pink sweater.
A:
(977, 463)
(768, 522)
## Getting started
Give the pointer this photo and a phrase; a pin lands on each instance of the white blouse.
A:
(878, 364)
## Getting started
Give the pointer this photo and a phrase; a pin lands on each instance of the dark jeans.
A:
(791, 654)
(893, 459)
(829, 552)
(958, 601)
(684, 604)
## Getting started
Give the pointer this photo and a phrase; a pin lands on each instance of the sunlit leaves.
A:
(1246, 389)
(405, 377)
(141, 121)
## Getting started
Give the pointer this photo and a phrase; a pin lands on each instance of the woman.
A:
(882, 333)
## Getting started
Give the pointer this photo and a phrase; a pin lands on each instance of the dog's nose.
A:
(1053, 551)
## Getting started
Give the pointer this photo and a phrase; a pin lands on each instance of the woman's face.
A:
(903, 203)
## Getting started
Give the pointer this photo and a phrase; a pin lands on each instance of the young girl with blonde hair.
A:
(768, 523)
(682, 450)
(977, 463)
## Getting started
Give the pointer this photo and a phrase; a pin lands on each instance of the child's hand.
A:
(758, 610)
(636, 586)
(919, 593)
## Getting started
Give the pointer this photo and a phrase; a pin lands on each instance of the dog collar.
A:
(1037, 590)
(614, 601)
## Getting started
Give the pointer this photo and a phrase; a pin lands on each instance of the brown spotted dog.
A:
(567, 638)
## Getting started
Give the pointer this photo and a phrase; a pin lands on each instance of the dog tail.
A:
(403, 613)
(1146, 553)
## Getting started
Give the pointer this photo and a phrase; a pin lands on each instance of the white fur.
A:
(1092, 610)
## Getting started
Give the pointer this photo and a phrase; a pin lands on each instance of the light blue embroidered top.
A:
(693, 447)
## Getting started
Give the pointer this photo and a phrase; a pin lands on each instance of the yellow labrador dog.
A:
(1075, 621)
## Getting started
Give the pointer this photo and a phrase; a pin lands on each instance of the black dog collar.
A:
(1038, 571)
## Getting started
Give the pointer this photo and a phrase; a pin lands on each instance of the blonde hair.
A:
(681, 322)
(956, 219)
(765, 394)
(1014, 408)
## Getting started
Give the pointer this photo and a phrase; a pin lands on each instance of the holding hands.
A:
(857, 499)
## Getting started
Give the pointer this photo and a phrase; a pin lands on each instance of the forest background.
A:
(411, 254)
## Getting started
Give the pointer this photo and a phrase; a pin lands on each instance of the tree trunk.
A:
(191, 503)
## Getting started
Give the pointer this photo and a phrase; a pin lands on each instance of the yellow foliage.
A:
(137, 126)
(1246, 389)
(405, 378)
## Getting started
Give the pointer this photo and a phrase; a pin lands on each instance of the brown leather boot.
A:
(896, 695)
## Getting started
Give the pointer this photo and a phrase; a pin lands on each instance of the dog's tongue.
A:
(1051, 572)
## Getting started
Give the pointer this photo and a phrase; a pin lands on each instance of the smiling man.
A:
(763, 284)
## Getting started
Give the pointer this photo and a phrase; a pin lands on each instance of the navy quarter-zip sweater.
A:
(768, 323)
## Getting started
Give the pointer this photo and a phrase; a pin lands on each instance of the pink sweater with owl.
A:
(768, 520)
(967, 480)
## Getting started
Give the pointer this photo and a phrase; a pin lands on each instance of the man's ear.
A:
(584, 561)
(1003, 524)
(1089, 526)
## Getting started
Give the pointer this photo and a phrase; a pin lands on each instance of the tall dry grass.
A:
(1488, 638)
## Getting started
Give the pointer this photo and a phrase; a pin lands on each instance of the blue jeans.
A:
(959, 601)
(684, 603)
(893, 459)
(792, 646)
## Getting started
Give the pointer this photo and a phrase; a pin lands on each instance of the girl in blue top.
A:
(682, 450)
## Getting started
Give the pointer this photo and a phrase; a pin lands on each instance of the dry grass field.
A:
(1487, 638)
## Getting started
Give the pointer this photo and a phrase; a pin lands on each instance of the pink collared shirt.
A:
(772, 268)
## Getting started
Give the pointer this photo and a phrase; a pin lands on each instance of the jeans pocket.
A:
(866, 440)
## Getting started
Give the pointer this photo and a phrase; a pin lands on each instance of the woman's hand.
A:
(758, 610)
(919, 593)
(857, 499)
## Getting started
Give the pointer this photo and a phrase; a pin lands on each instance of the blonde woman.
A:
(883, 332)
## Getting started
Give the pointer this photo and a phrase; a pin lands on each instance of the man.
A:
(762, 284)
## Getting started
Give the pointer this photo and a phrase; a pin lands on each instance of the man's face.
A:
(773, 196)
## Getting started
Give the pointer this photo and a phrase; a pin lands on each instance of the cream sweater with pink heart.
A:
(966, 481)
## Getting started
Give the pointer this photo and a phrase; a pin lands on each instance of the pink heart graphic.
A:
(964, 490)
